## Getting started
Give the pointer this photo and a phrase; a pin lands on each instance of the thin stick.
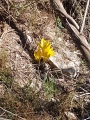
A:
(83, 24)
(12, 113)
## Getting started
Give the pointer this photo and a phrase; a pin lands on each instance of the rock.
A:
(36, 85)
(70, 64)
(70, 116)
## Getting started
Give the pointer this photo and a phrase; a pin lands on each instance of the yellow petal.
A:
(38, 54)
(51, 52)
(42, 42)
(47, 43)
(44, 50)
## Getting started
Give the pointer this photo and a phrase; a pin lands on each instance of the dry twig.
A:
(59, 6)
(83, 24)
(12, 113)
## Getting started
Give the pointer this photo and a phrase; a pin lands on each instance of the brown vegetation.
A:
(31, 90)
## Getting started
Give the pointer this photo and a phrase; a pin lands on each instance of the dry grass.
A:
(26, 95)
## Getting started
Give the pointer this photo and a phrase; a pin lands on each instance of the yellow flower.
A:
(44, 50)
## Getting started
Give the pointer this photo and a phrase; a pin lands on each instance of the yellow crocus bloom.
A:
(44, 50)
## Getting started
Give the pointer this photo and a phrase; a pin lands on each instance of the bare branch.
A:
(59, 6)
(83, 24)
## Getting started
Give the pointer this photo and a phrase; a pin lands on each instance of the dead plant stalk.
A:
(85, 14)
(12, 113)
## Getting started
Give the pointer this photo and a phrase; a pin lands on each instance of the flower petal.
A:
(44, 50)
(37, 54)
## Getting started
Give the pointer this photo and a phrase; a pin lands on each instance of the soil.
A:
(20, 29)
